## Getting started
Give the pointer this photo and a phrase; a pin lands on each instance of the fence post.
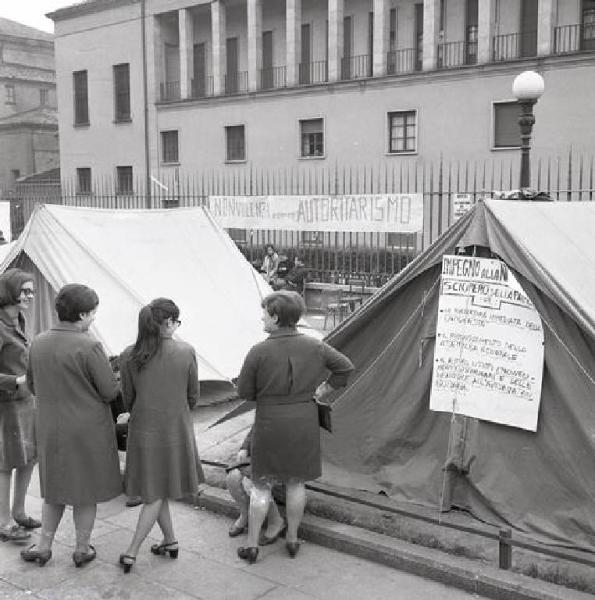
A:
(505, 548)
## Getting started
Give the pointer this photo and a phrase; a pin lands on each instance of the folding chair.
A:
(335, 305)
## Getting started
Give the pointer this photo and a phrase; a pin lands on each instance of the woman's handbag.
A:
(324, 415)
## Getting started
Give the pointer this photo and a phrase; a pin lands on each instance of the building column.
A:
(254, 43)
(186, 36)
(219, 49)
(381, 30)
(485, 30)
(336, 9)
(546, 13)
(293, 41)
(431, 28)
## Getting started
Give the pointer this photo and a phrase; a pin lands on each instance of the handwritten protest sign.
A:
(368, 212)
(488, 360)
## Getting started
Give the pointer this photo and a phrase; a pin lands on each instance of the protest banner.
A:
(488, 359)
(402, 213)
(461, 204)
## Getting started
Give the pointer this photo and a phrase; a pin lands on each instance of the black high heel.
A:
(126, 566)
(32, 554)
(81, 558)
(163, 549)
(248, 553)
(292, 548)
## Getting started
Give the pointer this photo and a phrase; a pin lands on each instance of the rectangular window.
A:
(83, 180)
(15, 174)
(312, 137)
(402, 132)
(81, 99)
(122, 92)
(235, 143)
(507, 133)
(11, 96)
(124, 180)
(169, 146)
(43, 96)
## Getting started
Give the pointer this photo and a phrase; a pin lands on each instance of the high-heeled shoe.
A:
(33, 554)
(265, 540)
(163, 549)
(81, 558)
(126, 562)
(292, 548)
(248, 553)
(236, 530)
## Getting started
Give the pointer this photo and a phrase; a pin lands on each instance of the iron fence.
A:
(339, 255)
(514, 45)
(401, 61)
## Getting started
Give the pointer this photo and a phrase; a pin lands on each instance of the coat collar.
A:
(18, 323)
(284, 332)
(66, 326)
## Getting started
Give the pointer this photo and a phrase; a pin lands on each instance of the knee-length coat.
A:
(281, 375)
(74, 383)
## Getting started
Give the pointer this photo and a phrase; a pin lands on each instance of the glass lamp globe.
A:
(528, 85)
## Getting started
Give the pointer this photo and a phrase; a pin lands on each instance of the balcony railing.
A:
(456, 54)
(313, 72)
(401, 61)
(201, 87)
(356, 67)
(235, 83)
(574, 38)
(272, 78)
(514, 45)
(170, 90)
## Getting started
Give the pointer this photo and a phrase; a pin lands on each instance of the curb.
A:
(463, 573)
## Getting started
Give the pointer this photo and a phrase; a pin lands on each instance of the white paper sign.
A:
(367, 212)
(488, 361)
(461, 204)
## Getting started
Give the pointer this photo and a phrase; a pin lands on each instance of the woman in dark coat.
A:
(17, 406)
(78, 459)
(282, 375)
(159, 378)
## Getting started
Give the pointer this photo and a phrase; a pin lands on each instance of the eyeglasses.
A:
(29, 293)
(176, 322)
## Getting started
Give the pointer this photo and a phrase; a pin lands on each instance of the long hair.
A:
(150, 318)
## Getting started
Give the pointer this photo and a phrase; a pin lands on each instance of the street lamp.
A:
(527, 89)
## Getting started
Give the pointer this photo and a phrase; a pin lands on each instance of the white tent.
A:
(132, 256)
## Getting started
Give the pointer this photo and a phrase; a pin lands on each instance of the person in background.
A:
(17, 406)
(270, 264)
(294, 280)
(282, 375)
(71, 376)
(159, 377)
(240, 485)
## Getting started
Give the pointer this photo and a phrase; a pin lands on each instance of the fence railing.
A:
(273, 78)
(170, 90)
(235, 82)
(356, 67)
(456, 54)
(313, 72)
(401, 61)
(330, 256)
(574, 38)
(202, 87)
(514, 45)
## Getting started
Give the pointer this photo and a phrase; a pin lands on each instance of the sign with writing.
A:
(488, 361)
(461, 204)
(366, 213)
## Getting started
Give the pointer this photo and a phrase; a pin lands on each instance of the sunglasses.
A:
(29, 293)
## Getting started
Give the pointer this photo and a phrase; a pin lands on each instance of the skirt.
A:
(17, 433)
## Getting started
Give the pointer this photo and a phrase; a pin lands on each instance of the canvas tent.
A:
(387, 440)
(132, 256)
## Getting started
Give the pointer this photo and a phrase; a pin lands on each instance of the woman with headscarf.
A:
(17, 406)
(78, 460)
(159, 378)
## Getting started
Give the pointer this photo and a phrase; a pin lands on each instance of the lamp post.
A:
(527, 89)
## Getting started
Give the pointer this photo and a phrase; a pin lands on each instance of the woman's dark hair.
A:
(74, 299)
(150, 319)
(287, 306)
(267, 246)
(11, 282)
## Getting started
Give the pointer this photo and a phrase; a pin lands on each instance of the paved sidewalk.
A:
(207, 568)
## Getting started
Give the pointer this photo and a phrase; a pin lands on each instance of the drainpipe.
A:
(148, 202)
